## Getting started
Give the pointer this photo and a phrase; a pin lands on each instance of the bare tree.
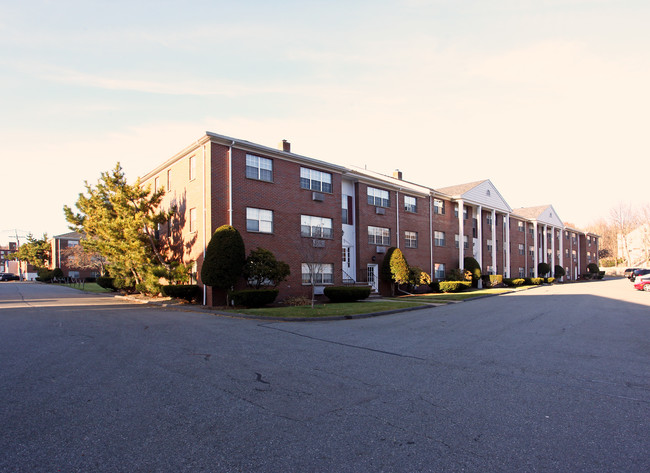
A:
(607, 244)
(624, 220)
(644, 221)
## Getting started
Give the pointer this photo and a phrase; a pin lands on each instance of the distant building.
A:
(638, 245)
(67, 254)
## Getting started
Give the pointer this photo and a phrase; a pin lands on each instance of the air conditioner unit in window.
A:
(381, 249)
(380, 211)
(318, 243)
(317, 196)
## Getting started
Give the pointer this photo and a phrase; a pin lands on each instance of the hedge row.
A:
(347, 293)
(454, 286)
(514, 282)
(253, 297)
(189, 292)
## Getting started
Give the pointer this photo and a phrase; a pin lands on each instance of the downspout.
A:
(205, 210)
(230, 183)
(431, 234)
(397, 207)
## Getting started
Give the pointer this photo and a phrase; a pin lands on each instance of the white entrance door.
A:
(373, 277)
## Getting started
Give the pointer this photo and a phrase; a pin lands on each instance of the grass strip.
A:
(87, 287)
(327, 310)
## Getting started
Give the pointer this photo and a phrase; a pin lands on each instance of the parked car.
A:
(642, 283)
(638, 272)
(628, 272)
(9, 277)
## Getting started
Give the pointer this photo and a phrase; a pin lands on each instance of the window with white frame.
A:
(315, 227)
(192, 220)
(319, 273)
(531, 273)
(588, 256)
(169, 179)
(465, 211)
(574, 254)
(522, 250)
(259, 220)
(488, 219)
(379, 236)
(566, 252)
(315, 180)
(410, 204)
(378, 197)
(490, 270)
(465, 242)
(456, 240)
(192, 165)
(439, 272)
(522, 272)
(439, 238)
(489, 245)
(156, 184)
(72, 243)
(259, 168)
(531, 250)
(438, 206)
(531, 230)
(411, 239)
(520, 226)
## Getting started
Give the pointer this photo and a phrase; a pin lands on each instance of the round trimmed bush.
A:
(347, 293)
(106, 282)
(454, 286)
(559, 271)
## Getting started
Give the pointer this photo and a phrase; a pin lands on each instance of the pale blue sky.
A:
(548, 99)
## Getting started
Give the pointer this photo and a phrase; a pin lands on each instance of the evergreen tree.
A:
(394, 268)
(224, 258)
(118, 220)
(262, 269)
(37, 252)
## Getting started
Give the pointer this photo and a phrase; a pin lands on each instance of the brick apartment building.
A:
(310, 211)
(73, 264)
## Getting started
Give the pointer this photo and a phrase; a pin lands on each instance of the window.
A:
(566, 252)
(575, 255)
(73, 274)
(259, 168)
(489, 245)
(192, 220)
(456, 240)
(315, 180)
(192, 168)
(438, 206)
(378, 197)
(411, 239)
(439, 238)
(566, 235)
(169, 179)
(315, 227)
(531, 273)
(588, 255)
(346, 210)
(465, 242)
(522, 250)
(259, 220)
(410, 204)
(490, 270)
(320, 273)
(465, 214)
(72, 243)
(531, 230)
(522, 272)
(520, 226)
(156, 184)
(439, 271)
(589, 241)
(488, 219)
(378, 236)
(531, 250)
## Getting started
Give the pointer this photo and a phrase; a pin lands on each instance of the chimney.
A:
(285, 146)
(397, 174)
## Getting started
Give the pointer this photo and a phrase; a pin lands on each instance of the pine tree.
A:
(224, 258)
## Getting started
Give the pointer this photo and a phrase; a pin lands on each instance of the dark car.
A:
(9, 277)
(628, 272)
(639, 272)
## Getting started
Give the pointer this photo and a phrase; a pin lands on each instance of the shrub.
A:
(559, 271)
(189, 292)
(347, 293)
(262, 269)
(454, 286)
(459, 275)
(106, 282)
(418, 277)
(435, 286)
(253, 297)
(543, 269)
(492, 280)
(57, 273)
(536, 281)
(224, 258)
(549, 280)
(593, 268)
(123, 284)
(601, 275)
(471, 265)
(44, 275)
(510, 282)
(90, 279)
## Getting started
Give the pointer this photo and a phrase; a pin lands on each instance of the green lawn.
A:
(88, 287)
(327, 310)
(441, 298)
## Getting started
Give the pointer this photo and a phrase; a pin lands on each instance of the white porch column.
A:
(479, 234)
(579, 265)
(494, 241)
(562, 249)
(506, 247)
(536, 252)
(545, 240)
(461, 235)
(553, 251)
